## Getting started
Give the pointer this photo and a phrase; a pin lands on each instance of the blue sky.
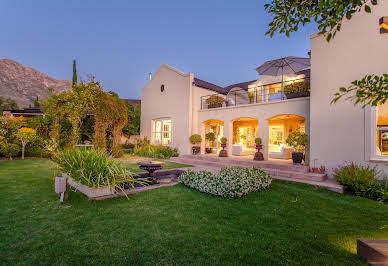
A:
(120, 42)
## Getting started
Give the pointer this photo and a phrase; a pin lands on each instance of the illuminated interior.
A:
(382, 130)
(161, 131)
(245, 130)
(280, 127)
(217, 127)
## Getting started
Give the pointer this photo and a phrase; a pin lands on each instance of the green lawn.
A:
(287, 224)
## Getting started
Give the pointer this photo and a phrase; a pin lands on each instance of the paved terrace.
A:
(278, 170)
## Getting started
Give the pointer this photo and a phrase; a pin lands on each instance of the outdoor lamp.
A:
(384, 25)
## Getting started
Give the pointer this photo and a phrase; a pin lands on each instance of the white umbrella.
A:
(284, 66)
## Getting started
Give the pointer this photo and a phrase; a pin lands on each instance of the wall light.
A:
(384, 25)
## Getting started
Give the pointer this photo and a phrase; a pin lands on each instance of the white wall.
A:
(261, 112)
(339, 132)
(175, 103)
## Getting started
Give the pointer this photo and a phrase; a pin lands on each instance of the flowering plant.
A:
(229, 182)
(215, 99)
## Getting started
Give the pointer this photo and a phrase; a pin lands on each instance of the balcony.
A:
(258, 94)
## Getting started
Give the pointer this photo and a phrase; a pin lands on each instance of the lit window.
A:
(161, 132)
(382, 130)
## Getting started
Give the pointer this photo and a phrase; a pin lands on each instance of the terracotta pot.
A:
(322, 170)
(314, 170)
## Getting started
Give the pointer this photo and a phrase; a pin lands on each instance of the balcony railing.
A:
(262, 94)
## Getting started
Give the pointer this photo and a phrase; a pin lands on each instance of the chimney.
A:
(150, 75)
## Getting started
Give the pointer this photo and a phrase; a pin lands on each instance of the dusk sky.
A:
(120, 42)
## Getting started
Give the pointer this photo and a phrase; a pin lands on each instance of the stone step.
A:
(249, 163)
(275, 173)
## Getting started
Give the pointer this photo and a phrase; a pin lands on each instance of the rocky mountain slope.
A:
(23, 83)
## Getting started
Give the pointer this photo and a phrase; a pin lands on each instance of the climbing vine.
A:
(88, 98)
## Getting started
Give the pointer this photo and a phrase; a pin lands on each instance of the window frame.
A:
(162, 131)
(373, 156)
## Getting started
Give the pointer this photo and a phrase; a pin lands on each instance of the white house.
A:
(176, 105)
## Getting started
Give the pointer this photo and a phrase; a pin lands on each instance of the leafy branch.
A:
(328, 14)
(371, 90)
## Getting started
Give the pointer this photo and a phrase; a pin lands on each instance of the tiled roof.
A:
(134, 102)
(210, 86)
(242, 85)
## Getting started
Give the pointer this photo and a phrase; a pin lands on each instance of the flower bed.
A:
(229, 182)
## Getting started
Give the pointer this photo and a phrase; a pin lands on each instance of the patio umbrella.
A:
(283, 66)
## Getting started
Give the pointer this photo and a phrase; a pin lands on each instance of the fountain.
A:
(151, 167)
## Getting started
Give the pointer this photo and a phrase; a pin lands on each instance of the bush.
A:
(297, 140)
(195, 139)
(9, 150)
(155, 151)
(224, 140)
(362, 181)
(229, 182)
(39, 147)
(296, 87)
(93, 168)
(258, 141)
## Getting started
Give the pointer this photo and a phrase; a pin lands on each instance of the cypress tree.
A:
(74, 73)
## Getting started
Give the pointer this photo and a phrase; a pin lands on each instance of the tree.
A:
(25, 135)
(36, 101)
(133, 125)
(7, 104)
(371, 90)
(75, 79)
(328, 14)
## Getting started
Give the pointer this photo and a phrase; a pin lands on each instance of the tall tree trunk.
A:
(23, 146)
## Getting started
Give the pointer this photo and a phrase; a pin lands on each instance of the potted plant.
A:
(298, 141)
(214, 101)
(258, 155)
(195, 139)
(322, 169)
(223, 153)
(297, 89)
(314, 169)
(211, 137)
(251, 96)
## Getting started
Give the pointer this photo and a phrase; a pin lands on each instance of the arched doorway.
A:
(245, 130)
(216, 127)
(279, 127)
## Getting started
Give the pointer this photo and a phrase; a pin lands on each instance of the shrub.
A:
(229, 182)
(362, 181)
(210, 136)
(94, 168)
(145, 149)
(258, 141)
(297, 140)
(195, 139)
(9, 150)
(296, 87)
(39, 147)
(224, 140)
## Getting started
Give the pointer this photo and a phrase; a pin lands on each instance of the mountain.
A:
(23, 83)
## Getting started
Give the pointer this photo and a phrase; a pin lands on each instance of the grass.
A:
(289, 223)
(130, 162)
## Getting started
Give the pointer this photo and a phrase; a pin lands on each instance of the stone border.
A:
(106, 193)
